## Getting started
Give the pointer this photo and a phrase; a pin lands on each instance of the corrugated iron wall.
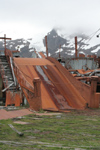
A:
(81, 63)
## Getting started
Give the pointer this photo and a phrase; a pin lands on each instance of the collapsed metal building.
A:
(44, 83)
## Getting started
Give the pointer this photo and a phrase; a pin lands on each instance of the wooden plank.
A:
(13, 128)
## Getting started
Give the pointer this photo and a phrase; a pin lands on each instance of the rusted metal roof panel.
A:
(66, 89)
(58, 90)
(52, 90)
(83, 89)
(32, 61)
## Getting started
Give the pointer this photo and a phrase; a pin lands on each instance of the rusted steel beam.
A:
(84, 78)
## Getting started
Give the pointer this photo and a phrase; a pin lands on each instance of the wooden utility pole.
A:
(4, 38)
(46, 45)
(76, 46)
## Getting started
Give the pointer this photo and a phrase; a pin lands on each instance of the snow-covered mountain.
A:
(87, 44)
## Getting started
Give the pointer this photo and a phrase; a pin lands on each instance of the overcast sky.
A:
(29, 18)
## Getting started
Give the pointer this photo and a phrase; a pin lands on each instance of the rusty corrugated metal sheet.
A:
(59, 89)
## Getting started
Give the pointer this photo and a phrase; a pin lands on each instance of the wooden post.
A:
(14, 129)
(46, 45)
(5, 40)
(59, 50)
(76, 46)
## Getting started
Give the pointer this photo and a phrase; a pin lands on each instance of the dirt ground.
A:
(87, 112)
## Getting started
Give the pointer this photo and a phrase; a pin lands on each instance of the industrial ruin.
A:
(43, 83)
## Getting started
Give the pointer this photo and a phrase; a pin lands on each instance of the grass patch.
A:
(72, 130)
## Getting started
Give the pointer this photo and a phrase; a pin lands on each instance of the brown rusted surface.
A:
(28, 73)
(30, 88)
(94, 98)
(48, 85)
(92, 56)
(42, 55)
(13, 114)
(32, 61)
(81, 55)
(84, 78)
(52, 90)
(13, 98)
(83, 89)
(66, 89)
(59, 89)
(82, 71)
